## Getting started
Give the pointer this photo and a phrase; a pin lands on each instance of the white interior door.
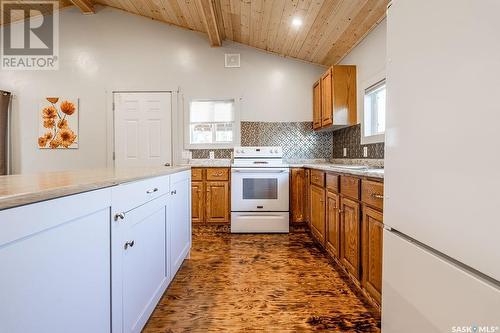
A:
(143, 127)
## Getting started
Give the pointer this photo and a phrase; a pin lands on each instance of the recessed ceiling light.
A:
(297, 22)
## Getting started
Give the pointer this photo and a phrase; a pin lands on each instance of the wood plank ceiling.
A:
(329, 30)
(17, 15)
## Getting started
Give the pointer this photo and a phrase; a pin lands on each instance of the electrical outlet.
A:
(365, 151)
(345, 152)
(212, 155)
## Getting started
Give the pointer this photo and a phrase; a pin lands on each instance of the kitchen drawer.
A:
(217, 174)
(196, 174)
(349, 186)
(332, 182)
(318, 178)
(130, 195)
(372, 193)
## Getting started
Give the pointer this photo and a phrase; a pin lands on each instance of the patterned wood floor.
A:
(259, 283)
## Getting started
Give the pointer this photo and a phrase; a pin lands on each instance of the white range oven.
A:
(259, 191)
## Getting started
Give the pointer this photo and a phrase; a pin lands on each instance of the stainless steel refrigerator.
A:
(4, 132)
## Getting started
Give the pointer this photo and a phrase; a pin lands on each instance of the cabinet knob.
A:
(173, 192)
(119, 216)
(152, 190)
(129, 244)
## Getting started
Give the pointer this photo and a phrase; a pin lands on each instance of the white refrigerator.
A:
(441, 261)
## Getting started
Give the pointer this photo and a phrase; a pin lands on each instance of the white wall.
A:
(369, 56)
(113, 50)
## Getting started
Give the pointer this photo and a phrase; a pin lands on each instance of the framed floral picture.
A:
(58, 123)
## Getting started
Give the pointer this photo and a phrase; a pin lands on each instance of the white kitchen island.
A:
(91, 250)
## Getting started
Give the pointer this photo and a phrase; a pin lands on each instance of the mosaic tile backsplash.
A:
(350, 138)
(300, 141)
(205, 153)
(297, 139)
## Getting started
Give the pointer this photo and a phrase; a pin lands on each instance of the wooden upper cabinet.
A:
(326, 99)
(317, 105)
(350, 236)
(344, 95)
(334, 98)
(197, 204)
(373, 228)
(297, 198)
(217, 201)
(332, 224)
(318, 213)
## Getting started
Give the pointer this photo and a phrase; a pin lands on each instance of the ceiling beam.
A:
(209, 15)
(86, 6)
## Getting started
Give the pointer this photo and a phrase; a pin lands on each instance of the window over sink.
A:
(374, 112)
(212, 124)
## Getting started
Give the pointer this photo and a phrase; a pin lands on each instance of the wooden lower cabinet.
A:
(332, 224)
(318, 213)
(197, 202)
(344, 213)
(210, 195)
(217, 202)
(307, 192)
(297, 198)
(350, 236)
(373, 228)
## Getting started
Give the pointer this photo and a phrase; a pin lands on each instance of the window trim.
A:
(236, 129)
(366, 86)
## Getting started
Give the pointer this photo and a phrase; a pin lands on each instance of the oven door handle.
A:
(268, 170)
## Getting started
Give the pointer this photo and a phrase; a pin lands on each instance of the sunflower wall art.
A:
(58, 123)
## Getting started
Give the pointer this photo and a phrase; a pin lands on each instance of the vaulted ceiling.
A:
(328, 29)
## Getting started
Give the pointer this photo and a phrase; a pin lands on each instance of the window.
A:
(374, 113)
(212, 124)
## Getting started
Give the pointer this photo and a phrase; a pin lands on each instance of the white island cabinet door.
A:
(179, 219)
(55, 271)
(140, 273)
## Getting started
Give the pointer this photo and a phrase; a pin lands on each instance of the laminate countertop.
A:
(209, 163)
(18, 190)
(345, 169)
(324, 165)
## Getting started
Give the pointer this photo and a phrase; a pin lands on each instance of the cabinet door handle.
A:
(129, 244)
(174, 192)
(152, 191)
(377, 196)
(119, 216)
